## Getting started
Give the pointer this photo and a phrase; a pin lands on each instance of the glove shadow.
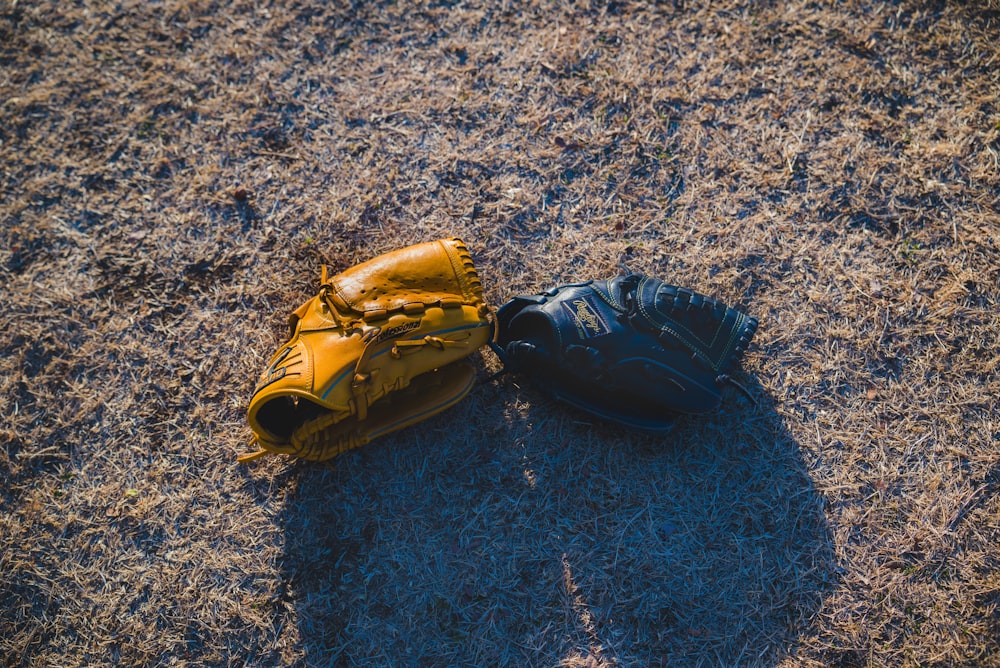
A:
(519, 531)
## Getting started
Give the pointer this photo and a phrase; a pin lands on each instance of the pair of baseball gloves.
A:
(384, 344)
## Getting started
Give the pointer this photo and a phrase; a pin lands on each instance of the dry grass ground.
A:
(173, 173)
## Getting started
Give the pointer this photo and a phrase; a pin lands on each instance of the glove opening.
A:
(527, 332)
(281, 416)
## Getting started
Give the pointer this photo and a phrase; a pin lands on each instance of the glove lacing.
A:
(629, 286)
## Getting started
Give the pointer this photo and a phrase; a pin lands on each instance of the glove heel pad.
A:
(426, 395)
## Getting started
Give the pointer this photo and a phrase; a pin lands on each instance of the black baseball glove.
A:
(630, 349)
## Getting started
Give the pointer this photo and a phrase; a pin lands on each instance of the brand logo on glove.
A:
(276, 372)
(397, 330)
(588, 322)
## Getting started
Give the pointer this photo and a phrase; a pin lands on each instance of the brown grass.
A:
(172, 175)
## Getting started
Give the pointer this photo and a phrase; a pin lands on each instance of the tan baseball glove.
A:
(379, 348)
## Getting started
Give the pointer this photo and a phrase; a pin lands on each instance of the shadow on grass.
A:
(515, 531)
